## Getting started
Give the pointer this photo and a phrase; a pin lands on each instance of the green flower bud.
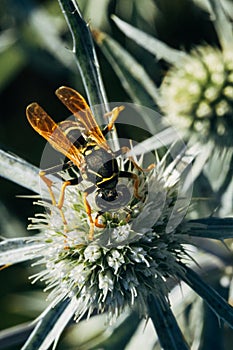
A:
(197, 95)
(125, 261)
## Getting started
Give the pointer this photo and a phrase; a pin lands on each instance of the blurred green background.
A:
(35, 59)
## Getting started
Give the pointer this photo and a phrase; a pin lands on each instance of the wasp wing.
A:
(46, 127)
(80, 109)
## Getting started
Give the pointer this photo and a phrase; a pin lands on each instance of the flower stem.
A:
(84, 51)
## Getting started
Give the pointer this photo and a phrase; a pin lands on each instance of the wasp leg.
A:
(60, 203)
(135, 179)
(49, 183)
(94, 223)
(88, 211)
(62, 193)
(59, 167)
(114, 113)
(4, 266)
(53, 170)
(126, 149)
(97, 224)
(61, 199)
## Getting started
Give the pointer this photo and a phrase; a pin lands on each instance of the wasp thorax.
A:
(112, 199)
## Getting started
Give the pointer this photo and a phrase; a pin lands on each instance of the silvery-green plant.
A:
(129, 268)
(128, 264)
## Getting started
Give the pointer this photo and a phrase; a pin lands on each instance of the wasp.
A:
(89, 153)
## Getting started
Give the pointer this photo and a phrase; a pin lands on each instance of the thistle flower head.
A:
(127, 260)
(197, 95)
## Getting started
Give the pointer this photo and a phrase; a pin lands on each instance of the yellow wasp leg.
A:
(114, 113)
(97, 224)
(4, 266)
(88, 211)
(149, 168)
(49, 184)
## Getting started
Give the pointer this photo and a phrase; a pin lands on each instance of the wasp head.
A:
(112, 199)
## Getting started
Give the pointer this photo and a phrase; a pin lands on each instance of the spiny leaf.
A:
(153, 45)
(50, 326)
(222, 24)
(16, 250)
(215, 301)
(84, 52)
(215, 228)
(132, 75)
(169, 333)
(19, 171)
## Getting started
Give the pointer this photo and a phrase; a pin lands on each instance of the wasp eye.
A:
(112, 199)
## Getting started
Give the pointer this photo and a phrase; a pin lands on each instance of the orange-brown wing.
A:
(80, 109)
(46, 127)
